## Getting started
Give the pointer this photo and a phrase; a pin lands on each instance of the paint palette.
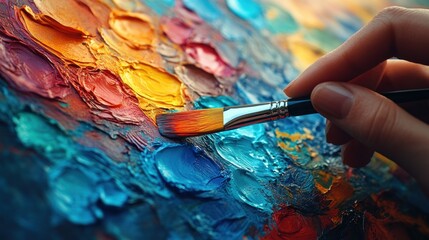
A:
(81, 156)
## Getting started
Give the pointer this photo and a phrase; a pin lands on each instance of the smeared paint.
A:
(135, 28)
(73, 195)
(208, 59)
(199, 81)
(189, 170)
(30, 71)
(42, 134)
(296, 147)
(177, 30)
(71, 47)
(63, 13)
(206, 9)
(81, 92)
(219, 219)
(107, 97)
(154, 87)
(248, 10)
(290, 224)
(248, 190)
(279, 21)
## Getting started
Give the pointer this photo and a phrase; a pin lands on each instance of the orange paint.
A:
(340, 192)
(64, 13)
(135, 28)
(127, 53)
(56, 38)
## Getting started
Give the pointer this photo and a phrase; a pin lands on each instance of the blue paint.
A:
(137, 222)
(111, 195)
(255, 90)
(214, 102)
(54, 177)
(231, 31)
(207, 10)
(219, 219)
(160, 6)
(188, 169)
(23, 183)
(246, 9)
(72, 194)
(246, 148)
(250, 190)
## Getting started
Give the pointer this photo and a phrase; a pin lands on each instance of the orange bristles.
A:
(190, 123)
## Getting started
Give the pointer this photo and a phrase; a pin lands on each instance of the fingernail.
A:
(288, 87)
(332, 99)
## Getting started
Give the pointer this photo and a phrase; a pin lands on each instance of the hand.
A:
(361, 120)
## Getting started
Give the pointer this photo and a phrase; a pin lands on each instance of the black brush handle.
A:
(303, 106)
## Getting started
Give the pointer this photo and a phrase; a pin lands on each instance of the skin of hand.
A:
(344, 83)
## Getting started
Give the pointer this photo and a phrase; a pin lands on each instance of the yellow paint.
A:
(323, 181)
(304, 53)
(295, 136)
(124, 51)
(295, 146)
(57, 39)
(154, 87)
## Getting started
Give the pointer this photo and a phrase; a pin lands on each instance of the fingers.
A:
(389, 76)
(371, 78)
(399, 74)
(355, 154)
(376, 121)
(335, 135)
(399, 32)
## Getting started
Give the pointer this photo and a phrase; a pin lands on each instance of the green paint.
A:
(280, 21)
(42, 134)
(64, 105)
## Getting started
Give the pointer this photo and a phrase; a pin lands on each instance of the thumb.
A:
(378, 123)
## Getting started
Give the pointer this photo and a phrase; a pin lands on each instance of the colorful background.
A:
(81, 156)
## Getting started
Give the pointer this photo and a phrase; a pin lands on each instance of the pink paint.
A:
(176, 30)
(206, 57)
(30, 71)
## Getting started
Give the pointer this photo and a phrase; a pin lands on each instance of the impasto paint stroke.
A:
(81, 157)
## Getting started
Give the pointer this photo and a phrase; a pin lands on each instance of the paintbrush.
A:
(204, 121)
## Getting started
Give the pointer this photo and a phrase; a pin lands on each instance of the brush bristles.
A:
(190, 123)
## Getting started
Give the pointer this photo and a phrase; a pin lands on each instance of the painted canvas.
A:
(81, 156)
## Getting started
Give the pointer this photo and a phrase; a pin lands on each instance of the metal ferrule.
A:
(239, 116)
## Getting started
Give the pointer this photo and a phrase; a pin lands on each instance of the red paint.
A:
(106, 95)
(206, 57)
(289, 224)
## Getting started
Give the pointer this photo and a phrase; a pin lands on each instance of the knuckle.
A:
(390, 13)
(382, 123)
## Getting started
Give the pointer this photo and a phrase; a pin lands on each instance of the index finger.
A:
(394, 32)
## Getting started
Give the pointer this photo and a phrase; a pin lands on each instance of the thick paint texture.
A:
(136, 29)
(30, 71)
(62, 43)
(81, 82)
(186, 169)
